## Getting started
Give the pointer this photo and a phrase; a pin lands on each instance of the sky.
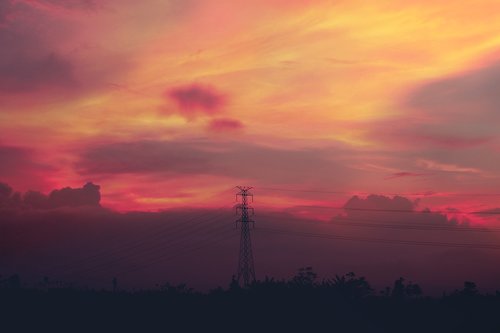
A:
(169, 104)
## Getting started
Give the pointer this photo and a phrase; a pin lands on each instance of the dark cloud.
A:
(36, 200)
(144, 157)
(72, 4)
(495, 212)
(24, 73)
(193, 99)
(9, 9)
(469, 95)
(398, 209)
(5, 190)
(380, 202)
(29, 61)
(45, 58)
(224, 125)
(458, 111)
(453, 141)
(204, 157)
(439, 133)
(4, 12)
(8, 198)
(88, 195)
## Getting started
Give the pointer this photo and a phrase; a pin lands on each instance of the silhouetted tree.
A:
(386, 292)
(13, 282)
(180, 289)
(401, 290)
(305, 277)
(413, 290)
(398, 289)
(349, 286)
(234, 285)
(470, 290)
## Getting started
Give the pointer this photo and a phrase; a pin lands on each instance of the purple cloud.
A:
(5, 190)
(23, 73)
(404, 174)
(194, 98)
(470, 94)
(29, 61)
(71, 4)
(206, 157)
(380, 202)
(495, 212)
(225, 125)
(460, 110)
(88, 195)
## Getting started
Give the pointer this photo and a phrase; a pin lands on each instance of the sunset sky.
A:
(124, 121)
(170, 103)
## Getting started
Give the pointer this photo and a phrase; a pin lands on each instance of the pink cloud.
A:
(195, 98)
(400, 132)
(404, 174)
(454, 141)
(433, 165)
(22, 168)
(224, 125)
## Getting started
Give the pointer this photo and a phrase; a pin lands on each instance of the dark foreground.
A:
(343, 304)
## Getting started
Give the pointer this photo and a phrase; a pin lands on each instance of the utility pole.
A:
(246, 270)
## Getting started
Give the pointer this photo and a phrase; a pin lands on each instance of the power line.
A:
(228, 234)
(380, 240)
(404, 225)
(155, 232)
(152, 235)
(490, 212)
(143, 247)
(158, 248)
(303, 191)
(166, 258)
(427, 193)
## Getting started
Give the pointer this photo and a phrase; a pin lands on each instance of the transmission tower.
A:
(246, 270)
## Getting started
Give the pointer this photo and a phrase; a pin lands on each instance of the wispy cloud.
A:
(433, 165)
(404, 174)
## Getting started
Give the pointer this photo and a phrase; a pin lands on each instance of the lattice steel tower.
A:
(246, 270)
